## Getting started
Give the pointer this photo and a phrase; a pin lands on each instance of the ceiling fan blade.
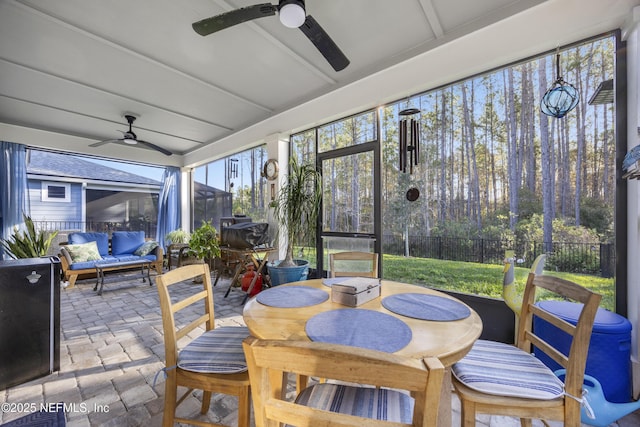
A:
(233, 17)
(324, 44)
(106, 141)
(155, 147)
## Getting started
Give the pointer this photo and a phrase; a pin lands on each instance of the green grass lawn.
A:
(479, 279)
(472, 278)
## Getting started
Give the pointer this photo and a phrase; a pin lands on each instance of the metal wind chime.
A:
(409, 128)
(232, 172)
(233, 168)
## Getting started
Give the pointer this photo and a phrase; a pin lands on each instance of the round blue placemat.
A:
(292, 296)
(426, 307)
(359, 328)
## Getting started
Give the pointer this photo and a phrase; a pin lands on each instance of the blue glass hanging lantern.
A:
(561, 98)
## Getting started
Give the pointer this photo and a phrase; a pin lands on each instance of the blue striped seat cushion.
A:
(505, 370)
(216, 351)
(369, 402)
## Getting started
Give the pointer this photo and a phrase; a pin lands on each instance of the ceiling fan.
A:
(292, 14)
(130, 138)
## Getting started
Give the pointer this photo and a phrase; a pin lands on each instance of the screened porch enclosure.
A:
(210, 204)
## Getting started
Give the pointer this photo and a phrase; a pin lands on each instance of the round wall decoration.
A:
(412, 194)
(270, 169)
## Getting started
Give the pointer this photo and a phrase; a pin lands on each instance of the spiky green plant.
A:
(29, 243)
(178, 236)
(297, 205)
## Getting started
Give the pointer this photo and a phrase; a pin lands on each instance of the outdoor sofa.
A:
(83, 251)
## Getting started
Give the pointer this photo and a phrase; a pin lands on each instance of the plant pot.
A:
(280, 275)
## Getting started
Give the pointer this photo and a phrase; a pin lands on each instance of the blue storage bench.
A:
(609, 358)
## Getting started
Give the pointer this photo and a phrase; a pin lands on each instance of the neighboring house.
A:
(70, 193)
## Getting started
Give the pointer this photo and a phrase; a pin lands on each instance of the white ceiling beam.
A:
(432, 18)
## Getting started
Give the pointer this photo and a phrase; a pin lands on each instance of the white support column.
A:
(631, 34)
(186, 176)
(278, 148)
(83, 206)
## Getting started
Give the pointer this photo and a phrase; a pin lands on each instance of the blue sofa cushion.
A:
(101, 239)
(82, 265)
(92, 264)
(108, 260)
(126, 242)
(150, 257)
(127, 257)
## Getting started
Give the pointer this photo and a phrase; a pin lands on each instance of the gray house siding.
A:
(80, 194)
(55, 210)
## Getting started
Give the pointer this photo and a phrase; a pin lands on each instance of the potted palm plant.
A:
(296, 209)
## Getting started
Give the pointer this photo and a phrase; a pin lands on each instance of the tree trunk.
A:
(512, 150)
(546, 165)
(442, 213)
(474, 186)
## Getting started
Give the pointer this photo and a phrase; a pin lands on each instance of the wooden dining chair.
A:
(213, 362)
(381, 403)
(502, 379)
(362, 264)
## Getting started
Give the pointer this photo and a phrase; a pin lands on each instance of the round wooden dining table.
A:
(447, 340)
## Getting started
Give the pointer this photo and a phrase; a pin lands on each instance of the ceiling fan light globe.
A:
(130, 137)
(292, 15)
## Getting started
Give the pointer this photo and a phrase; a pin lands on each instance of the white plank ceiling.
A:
(71, 69)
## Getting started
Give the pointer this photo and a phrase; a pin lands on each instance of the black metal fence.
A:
(588, 258)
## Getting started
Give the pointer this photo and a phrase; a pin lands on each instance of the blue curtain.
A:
(169, 204)
(13, 187)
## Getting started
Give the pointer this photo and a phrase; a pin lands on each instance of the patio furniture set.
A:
(410, 338)
(423, 341)
(94, 253)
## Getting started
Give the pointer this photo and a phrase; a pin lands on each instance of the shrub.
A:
(204, 242)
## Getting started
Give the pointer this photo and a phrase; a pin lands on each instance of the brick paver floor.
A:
(111, 351)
